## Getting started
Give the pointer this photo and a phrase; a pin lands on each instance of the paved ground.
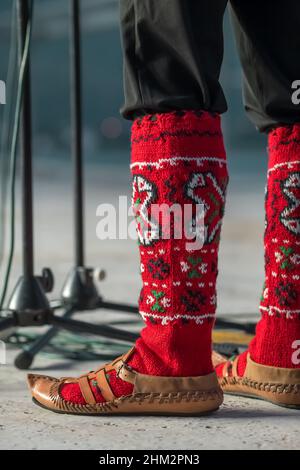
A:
(239, 424)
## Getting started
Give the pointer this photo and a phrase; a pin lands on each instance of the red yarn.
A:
(278, 331)
(176, 159)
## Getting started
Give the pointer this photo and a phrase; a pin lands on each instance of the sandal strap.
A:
(126, 373)
(114, 364)
(226, 369)
(119, 360)
(104, 386)
(230, 368)
(86, 390)
(127, 355)
(118, 364)
(234, 366)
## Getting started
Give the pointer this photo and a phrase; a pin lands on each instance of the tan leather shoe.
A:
(275, 384)
(151, 395)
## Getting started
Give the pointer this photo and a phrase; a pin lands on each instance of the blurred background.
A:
(106, 154)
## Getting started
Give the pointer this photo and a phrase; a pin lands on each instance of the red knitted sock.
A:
(277, 339)
(177, 159)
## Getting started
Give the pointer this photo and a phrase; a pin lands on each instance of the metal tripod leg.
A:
(25, 358)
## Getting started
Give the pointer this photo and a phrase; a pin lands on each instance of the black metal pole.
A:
(75, 60)
(102, 330)
(26, 148)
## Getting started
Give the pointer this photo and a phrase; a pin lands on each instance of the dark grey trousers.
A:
(173, 51)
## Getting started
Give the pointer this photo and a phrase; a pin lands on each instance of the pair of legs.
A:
(173, 54)
(172, 59)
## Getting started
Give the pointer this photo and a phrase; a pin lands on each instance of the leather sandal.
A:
(277, 385)
(151, 394)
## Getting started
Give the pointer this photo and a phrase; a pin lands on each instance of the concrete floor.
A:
(240, 423)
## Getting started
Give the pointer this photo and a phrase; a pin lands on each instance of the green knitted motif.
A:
(156, 307)
(286, 263)
(195, 262)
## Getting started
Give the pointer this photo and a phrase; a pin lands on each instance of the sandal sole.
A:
(131, 413)
(257, 396)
